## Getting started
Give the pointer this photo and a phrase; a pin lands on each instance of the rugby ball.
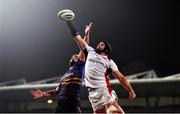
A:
(66, 14)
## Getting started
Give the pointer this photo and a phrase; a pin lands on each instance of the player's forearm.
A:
(125, 83)
(81, 43)
(81, 54)
(50, 93)
(86, 38)
(72, 29)
(123, 80)
(82, 57)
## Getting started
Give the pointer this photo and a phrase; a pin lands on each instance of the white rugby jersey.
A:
(95, 69)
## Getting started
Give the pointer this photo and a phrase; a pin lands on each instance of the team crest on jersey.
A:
(96, 60)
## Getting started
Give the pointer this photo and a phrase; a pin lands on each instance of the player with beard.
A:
(68, 91)
(98, 66)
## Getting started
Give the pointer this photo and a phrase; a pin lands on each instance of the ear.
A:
(106, 51)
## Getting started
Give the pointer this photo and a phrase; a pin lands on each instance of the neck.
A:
(102, 53)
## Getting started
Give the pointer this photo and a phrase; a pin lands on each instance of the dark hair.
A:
(107, 48)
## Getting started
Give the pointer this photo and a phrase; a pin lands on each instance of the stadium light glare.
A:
(49, 101)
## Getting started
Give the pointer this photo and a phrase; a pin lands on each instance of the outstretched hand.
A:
(88, 28)
(37, 93)
(132, 95)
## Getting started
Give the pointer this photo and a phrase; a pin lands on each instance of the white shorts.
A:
(99, 97)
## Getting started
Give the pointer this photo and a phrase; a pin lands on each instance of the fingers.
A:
(36, 97)
(131, 97)
(90, 24)
(36, 94)
(88, 28)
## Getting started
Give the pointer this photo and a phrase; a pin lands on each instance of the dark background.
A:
(35, 45)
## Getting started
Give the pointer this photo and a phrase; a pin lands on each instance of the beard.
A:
(99, 50)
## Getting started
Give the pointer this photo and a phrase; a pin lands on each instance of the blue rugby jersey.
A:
(71, 82)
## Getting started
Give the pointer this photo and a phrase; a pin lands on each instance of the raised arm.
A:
(87, 33)
(125, 83)
(77, 37)
(86, 39)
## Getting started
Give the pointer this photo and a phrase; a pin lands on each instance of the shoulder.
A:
(81, 60)
(89, 48)
(113, 65)
(111, 61)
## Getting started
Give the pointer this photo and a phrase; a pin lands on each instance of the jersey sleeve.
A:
(113, 66)
(89, 48)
